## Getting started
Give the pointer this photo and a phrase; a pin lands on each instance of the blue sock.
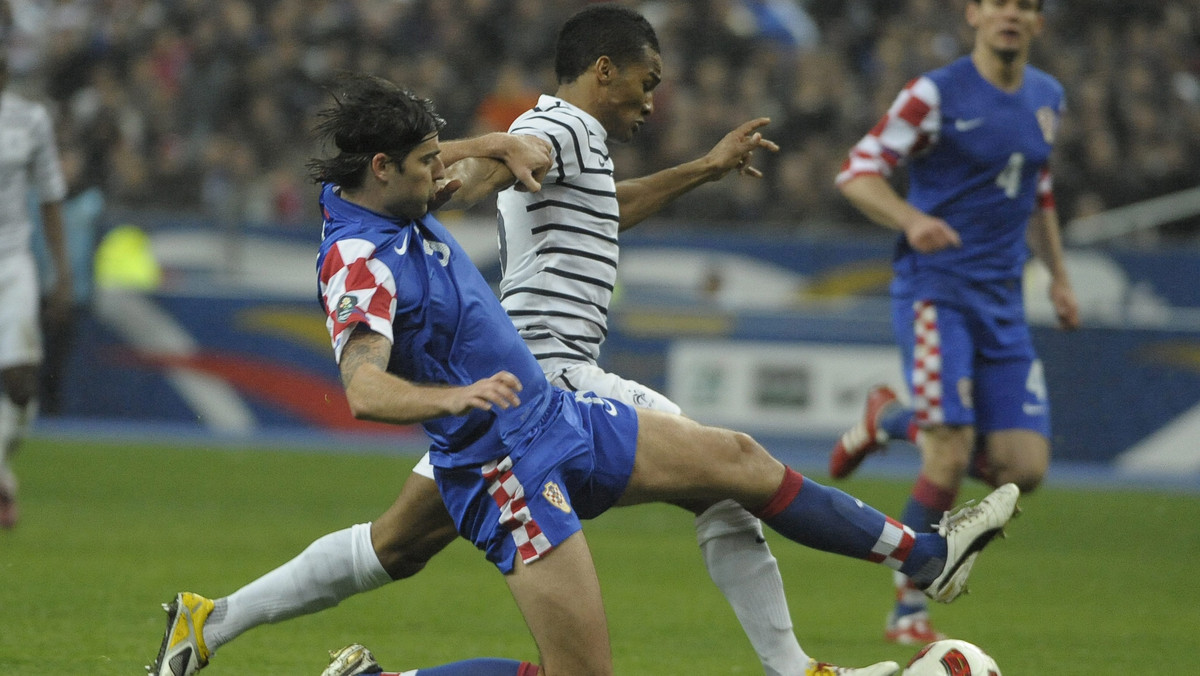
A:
(920, 517)
(897, 421)
(828, 519)
(923, 520)
(484, 666)
(922, 513)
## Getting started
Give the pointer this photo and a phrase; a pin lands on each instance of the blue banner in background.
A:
(778, 336)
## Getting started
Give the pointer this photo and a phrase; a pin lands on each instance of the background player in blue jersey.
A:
(420, 337)
(976, 136)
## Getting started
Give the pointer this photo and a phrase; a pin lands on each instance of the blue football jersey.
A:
(981, 175)
(410, 281)
(977, 157)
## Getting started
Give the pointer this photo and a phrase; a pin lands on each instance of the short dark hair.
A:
(369, 115)
(609, 30)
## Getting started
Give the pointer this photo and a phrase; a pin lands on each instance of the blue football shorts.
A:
(970, 360)
(573, 465)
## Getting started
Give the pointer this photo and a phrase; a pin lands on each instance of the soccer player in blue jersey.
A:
(976, 136)
(420, 338)
(560, 249)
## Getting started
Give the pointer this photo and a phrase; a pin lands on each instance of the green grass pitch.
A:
(1089, 581)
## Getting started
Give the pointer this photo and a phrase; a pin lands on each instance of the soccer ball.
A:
(951, 657)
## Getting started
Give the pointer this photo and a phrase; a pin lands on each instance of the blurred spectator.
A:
(511, 96)
(150, 87)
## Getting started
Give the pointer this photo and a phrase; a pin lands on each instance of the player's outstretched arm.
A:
(477, 167)
(375, 394)
(877, 200)
(640, 198)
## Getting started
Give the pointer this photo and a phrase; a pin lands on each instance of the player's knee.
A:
(1024, 464)
(404, 553)
(745, 446)
(1027, 475)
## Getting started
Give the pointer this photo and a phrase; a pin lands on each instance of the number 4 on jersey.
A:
(1009, 179)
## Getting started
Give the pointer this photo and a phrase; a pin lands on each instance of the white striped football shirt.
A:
(558, 247)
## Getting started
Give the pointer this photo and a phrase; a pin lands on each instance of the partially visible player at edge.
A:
(977, 137)
(28, 162)
(419, 337)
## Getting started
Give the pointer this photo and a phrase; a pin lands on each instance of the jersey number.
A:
(1009, 179)
(1035, 381)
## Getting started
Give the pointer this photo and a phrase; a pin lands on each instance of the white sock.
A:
(741, 563)
(332, 569)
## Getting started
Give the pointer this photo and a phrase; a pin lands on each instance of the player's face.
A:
(1005, 27)
(629, 96)
(413, 182)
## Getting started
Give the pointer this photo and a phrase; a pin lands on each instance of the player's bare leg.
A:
(559, 597)
(414, 529)
(725, 464)
(1015, 456)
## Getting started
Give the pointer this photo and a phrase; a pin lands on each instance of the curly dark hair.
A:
(369, 115)
(609, 30)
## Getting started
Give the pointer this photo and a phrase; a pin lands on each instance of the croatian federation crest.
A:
(554, 496)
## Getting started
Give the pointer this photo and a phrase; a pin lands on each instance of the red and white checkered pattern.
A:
(910, 125)
(509, 494)
(1045, 189)
(350, 268)
(894, 545)
(927, 382)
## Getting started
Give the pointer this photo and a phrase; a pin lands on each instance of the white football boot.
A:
(967, 532)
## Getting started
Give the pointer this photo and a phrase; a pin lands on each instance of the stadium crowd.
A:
(203, 105)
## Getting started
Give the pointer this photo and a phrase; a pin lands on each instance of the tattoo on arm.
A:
(364, 347)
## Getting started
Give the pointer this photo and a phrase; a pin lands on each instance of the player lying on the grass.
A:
(420, 337)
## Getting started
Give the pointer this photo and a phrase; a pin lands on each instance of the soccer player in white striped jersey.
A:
(559, 252)
(28, 160)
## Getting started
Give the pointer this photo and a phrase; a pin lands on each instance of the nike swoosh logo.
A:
(968, 125)
(403, 248)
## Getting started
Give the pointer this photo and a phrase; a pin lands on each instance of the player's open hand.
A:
(1066, 307)
(528, 158)
(928, 234)
(736, 149)
(497, 390)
